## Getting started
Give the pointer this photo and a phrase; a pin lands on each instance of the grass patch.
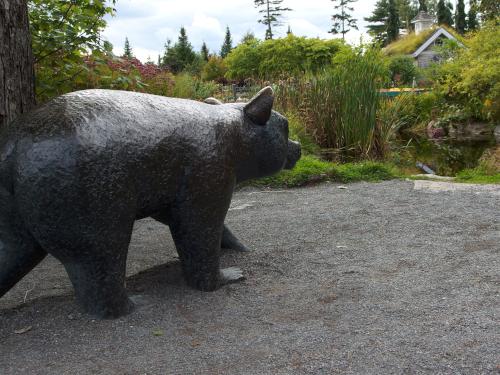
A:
(310, 170)
(478, 175)
(365, 171)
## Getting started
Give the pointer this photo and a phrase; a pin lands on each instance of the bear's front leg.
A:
(196, 227)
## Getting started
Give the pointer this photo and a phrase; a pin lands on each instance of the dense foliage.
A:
(63, 31)
(472, 78)
(283, 57)
(403, 70)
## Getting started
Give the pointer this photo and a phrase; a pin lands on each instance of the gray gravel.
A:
(372, 279)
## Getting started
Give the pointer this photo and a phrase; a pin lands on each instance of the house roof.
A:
(439, 32)
(411, 43)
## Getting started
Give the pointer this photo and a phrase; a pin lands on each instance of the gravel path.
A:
(390, 278)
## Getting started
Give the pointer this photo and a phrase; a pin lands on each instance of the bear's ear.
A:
(259, 108)
(212, 101)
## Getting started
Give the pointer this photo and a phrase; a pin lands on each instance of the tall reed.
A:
(339, 105)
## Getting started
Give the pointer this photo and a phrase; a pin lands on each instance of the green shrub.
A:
(160, 84)
(472, 79)
(279, 58)
(403, 70)
(214, 70)
(190, 87)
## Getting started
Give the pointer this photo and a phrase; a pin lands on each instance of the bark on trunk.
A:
(17, 78)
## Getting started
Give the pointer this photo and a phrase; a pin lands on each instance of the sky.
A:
(149, 23)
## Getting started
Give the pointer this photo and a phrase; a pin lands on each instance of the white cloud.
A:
(149, 23)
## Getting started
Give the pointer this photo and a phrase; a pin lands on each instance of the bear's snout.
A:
(293, 155)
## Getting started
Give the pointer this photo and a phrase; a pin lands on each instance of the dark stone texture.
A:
(78, 171)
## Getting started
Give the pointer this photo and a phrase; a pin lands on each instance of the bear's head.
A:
(266, 147)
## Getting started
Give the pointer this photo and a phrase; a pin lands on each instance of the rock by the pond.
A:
(471, 131)
(434, 131)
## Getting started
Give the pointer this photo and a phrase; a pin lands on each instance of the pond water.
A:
(444, 156)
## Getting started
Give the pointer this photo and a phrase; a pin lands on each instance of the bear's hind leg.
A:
(99, 286)
(19, 252)
(96, 266)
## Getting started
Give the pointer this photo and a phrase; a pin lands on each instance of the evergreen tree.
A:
(444, 13)
(377, 27)
(422, 6)
(204, 52)
(271, 11)
(472, 23)
(392, 22)
(384, 22)
(460, 23)
(227, 46)
(248, 37)
(107, 47)
(343, 21)
(489, 9)
(127, 50)
(181, 55)
(184, 50)
(407, 10)
(432, 7)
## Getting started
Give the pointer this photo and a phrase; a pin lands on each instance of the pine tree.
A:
(271, 11)
(432, 7)
(378, 21)
(489, 9)
(127, 50)
(407, 10)
(384, 22)
(343, 21)
(460, 22)
(444, 13)
(472, 23)
(204, 52)
(107, 47)
(248, 37)
(181, 55)
(227, 46)
(392, 22)
(184, 50)
(422, 6)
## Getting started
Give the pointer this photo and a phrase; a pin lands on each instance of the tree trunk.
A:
(17, 78)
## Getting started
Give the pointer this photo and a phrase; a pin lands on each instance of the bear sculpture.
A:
(76, 173)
